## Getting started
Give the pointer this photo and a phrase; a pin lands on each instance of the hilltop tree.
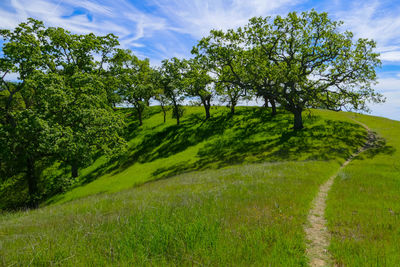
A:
(227, 60)
(134, 80)
(172, 82)
(199, 83)
(159, 92)
(314, 63)
(262, 76)
(229, 92)
(163, 100)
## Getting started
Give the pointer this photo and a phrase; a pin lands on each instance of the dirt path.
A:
(316, 232)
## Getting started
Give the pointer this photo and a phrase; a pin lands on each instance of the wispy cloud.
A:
(377, 20)
(198, 17)
(115, 16)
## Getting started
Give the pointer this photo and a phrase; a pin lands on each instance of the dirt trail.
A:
(316, 232)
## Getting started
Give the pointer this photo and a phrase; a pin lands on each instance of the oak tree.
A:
(315, 63)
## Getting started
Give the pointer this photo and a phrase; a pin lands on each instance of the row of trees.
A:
(297, 62)
(62, 105)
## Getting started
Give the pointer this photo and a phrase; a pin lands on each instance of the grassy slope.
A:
(160, 150)
(364, 203)
(251, 213)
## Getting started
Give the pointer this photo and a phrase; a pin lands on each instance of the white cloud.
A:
(198, 17)
(108, 16)
(390, 88)
(372, 19)
(388, 84)
(391, 56)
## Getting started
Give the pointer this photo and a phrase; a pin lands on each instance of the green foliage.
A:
(316, 63)
(198, 82)
(227, 61)
(134, 80)
(178, 112)
(302, 61)
(58, 108)
(172, 81)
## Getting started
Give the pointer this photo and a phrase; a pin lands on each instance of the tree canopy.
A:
(301, 61)
(133, 80)
(58, 107)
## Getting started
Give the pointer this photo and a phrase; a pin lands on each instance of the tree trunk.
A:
(265, 101)
(74, 170)
(233, 105)
(207, 105)
(207, 108)
(32, 182)
(273, 105)
(232, 109)
(298, 120)
(164, 113)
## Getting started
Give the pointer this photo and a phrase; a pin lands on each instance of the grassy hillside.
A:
(238, 193)
(364, 203)
(158, 150)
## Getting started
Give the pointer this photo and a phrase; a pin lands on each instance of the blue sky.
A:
(160, 29)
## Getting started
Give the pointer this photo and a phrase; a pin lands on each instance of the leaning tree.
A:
(315, 63)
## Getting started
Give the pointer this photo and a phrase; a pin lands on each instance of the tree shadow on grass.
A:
(192, 131)
(326, 140)
(376, 145)
(251, 135)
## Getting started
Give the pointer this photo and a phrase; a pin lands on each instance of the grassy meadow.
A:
(233, 190)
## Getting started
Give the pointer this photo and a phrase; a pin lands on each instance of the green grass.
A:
(363, 209)
(242, 215)
(159, 150)
(228, 191)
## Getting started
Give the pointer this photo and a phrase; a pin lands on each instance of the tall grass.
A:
(242, 215)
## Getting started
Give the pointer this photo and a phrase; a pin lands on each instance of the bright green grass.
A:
(364, 204)
(159, 150)
(242, 215)
(214, 214)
